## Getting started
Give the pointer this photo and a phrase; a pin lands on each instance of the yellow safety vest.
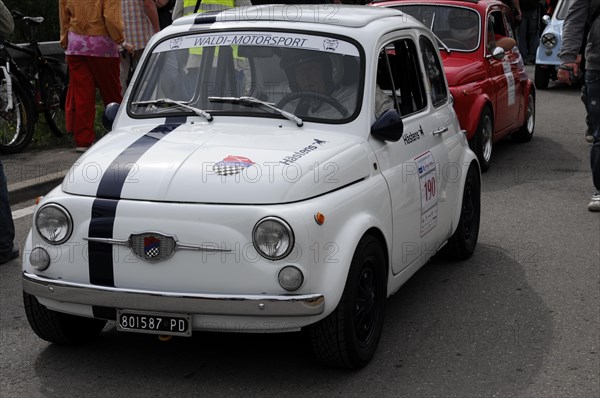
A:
(206, 6)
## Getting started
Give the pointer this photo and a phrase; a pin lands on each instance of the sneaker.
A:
(594, 205)
(588, 136)
(81, 149)
(13, 254)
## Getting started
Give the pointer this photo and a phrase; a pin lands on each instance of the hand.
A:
(161, 3)
(566, 72)
(128, 47)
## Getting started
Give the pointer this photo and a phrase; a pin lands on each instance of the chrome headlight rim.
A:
(288, 230)
(67, 216)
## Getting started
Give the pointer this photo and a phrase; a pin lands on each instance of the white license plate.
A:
(154, 322)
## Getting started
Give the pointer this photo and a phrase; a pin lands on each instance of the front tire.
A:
(349, 336)
(56, 327)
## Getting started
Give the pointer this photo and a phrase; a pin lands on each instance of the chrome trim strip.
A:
(202, 248)
(182, 246)
(192, 303)
(109, 241)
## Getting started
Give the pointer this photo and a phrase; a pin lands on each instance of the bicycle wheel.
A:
(54, 84)
(16, 123)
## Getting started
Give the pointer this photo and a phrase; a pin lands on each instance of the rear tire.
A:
(59, 328)
(17, 124)
(525, 133)
(462, 243)
(349, 336)
(482, 142)
(54, 84)
(541, 77)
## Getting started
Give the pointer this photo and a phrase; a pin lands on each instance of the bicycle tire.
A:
(17, 124)
(54, 84)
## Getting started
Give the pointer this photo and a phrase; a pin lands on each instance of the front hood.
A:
(218, 163)
(462, 70)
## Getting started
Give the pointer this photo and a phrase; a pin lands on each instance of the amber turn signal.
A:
(319, 218)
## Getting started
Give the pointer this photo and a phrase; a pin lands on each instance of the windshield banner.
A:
(271, 39)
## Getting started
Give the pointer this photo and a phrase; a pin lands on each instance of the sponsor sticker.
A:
(270, 39)
(426, 169)
(232, 165)
(510, 79)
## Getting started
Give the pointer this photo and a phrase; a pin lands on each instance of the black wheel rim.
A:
(365, 305)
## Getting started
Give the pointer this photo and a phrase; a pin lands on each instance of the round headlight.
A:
(548, 40)
(53, 223)
(273, 238)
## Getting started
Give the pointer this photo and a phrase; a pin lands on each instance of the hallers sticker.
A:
(412, 137)
(302, 152)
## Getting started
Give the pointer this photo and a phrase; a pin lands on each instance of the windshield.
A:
(315, 78)
(457, 27)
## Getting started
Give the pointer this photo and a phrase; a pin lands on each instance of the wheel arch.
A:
(474, 115)
(354, 230)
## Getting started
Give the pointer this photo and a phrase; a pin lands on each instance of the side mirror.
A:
(109, 115)
(546, 19)
(498, 53)
(388, 126)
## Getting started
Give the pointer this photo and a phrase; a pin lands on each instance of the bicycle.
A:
(38, 87)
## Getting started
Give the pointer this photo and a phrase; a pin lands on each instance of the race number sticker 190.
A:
(429, 196)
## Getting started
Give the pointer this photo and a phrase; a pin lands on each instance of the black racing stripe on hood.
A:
(112, 181)
(99, 253)
(105, 205)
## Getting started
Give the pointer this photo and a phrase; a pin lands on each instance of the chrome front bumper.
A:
(213, 304)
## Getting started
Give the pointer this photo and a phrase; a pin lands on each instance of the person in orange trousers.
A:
(91, 32)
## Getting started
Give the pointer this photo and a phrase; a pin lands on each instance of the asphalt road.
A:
(519, 319)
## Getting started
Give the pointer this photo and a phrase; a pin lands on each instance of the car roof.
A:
(326, 15)
(472, 3)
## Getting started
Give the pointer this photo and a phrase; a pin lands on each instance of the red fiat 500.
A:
(493, 96)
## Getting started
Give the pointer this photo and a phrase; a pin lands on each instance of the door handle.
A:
(440, 131)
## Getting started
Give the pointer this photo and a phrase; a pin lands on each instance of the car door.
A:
(411, 165)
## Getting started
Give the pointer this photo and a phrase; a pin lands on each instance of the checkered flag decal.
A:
(153, 252)
(227, 169)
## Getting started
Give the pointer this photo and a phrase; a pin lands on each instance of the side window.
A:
(490, 39)
(434, 72)
(399, 76)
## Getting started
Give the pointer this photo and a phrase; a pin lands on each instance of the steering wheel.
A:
(312, 95)
(454, 43)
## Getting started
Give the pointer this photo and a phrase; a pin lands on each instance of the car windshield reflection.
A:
(458, 28)
(315, 78)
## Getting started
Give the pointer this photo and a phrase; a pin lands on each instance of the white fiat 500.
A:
(270, 169)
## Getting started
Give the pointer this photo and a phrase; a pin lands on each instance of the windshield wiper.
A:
(183, 105)
(251, 101)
